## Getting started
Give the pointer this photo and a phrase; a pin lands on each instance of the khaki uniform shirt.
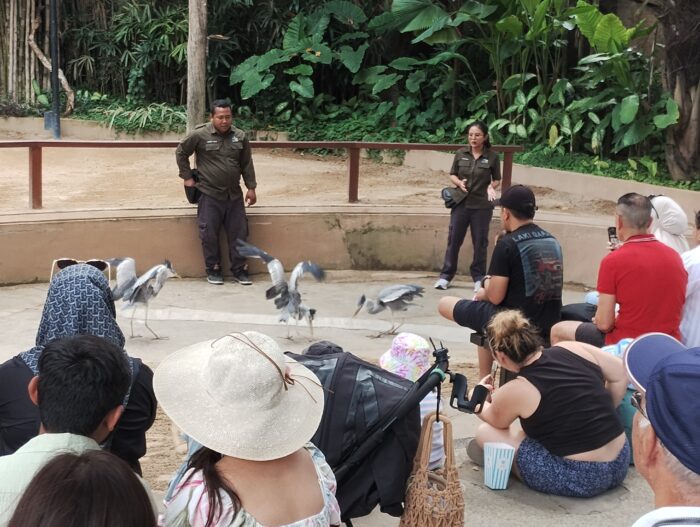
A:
(221, 161)
(479, 173)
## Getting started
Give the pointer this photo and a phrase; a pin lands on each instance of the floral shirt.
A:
(189, 505)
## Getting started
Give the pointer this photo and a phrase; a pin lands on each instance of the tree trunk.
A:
(683, 139)
(70, 94)
(680, 23)
(196, 63)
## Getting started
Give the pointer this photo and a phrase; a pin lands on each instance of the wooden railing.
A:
(352, 147)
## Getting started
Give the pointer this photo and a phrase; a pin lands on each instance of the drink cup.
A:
(498, 459)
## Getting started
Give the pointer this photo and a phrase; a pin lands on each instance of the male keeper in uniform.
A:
(222, 155)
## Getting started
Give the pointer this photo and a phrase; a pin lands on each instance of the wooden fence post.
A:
(353, 173)
(35, 185)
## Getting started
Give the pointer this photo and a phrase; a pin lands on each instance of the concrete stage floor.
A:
(189, 311)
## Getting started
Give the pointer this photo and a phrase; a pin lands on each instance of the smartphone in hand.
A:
(612, 237)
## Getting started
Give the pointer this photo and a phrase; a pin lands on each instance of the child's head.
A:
(408, 357)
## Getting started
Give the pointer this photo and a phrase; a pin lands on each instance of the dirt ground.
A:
(84, 179)
(89, 179)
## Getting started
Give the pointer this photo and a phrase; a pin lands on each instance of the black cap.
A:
(519, 198)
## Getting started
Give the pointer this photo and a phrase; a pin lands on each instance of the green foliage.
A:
(128, 116)
(417, 70)
(15, 109)
(645, 169)
(41, 97)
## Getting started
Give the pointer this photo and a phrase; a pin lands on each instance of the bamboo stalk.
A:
(12, 36)
(28, 91)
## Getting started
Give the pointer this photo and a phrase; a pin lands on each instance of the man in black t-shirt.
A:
(526, 273)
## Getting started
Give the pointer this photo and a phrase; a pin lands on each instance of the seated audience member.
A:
(690, 323)
(95, 489)
(644, 276)
(409, 357)
(254, 411)
(666, 430)
(79, 390)
(571, 442)
(669, 223)
(526, 273)
(79, 302)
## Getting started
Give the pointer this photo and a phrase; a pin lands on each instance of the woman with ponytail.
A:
(570, 441)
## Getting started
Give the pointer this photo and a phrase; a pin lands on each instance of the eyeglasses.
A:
(62, 263)
(636, 402)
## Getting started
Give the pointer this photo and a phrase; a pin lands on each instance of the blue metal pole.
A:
(55, 94)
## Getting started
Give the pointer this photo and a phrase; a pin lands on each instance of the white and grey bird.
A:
(133, 290)
(285, 293)
(394, 297)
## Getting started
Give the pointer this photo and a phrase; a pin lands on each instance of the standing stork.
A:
(286, 294)
(395, 297)
(133, 290)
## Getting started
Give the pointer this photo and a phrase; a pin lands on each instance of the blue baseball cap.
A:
(668, 373)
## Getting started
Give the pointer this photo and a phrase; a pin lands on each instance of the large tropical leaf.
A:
(301, 69)
(437, 25)
(384, 22)
(255, 83)
(420, 14)
(477, 10)
(351, 58)
(530, 6)
(610, 34)
(272, 57)
(352, 36)
(303, 86)
(670, 117)
(384, 82)
(517, 80)
(347, 12)
(539, 24)
(635, 134)
(293, 34)
(243, 70)
(587, 17)
(480, 100)
(369, 75)
(628, 108)
(318, 53)
(444, 36)
(403, 63)
(511, 25)
(414, 80)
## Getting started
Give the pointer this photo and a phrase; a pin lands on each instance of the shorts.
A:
(589, 333)
(543, 471)
(474, 314)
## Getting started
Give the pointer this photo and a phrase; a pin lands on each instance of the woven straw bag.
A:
(434, 499)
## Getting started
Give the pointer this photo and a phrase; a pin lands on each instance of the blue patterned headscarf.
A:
(79, 302)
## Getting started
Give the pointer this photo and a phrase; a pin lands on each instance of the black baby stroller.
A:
(371, 425)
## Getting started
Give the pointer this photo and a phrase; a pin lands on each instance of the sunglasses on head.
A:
(636, 402)
(62, 263)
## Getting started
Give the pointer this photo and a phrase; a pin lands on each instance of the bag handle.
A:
(426, 441)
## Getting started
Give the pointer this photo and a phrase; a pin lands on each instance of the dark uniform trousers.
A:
(461, 219)
(211, 215)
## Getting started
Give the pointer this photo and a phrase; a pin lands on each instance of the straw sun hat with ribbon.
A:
(239, 395)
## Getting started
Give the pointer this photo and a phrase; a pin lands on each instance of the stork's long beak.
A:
(176, 276)
(356, 311)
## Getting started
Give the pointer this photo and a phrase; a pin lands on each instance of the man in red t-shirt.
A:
(644, 277)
